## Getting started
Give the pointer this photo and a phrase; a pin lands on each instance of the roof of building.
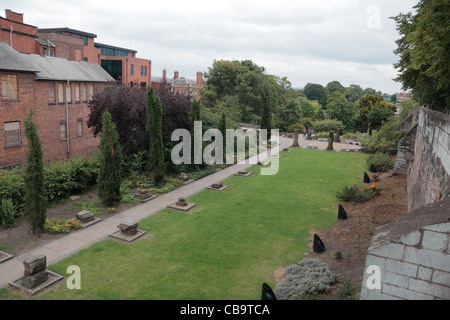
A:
(51, 68)
(180, 80)
(61, 30)
(102, 45)
(45, 42)
(12, 60)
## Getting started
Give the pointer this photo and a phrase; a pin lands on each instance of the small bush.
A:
(328, 125)
(348, 289)
(7, 213)
(355, 194)
(380, 162)
(309, 276)
(61, 226)
(296, 126)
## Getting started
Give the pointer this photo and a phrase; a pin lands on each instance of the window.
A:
(85, 39)
(52, 53)
(60, 93)
(84, 92)
(145, 71)
(12, 134)
(62, 131)
(44, 51)
(68, 94)
(9, 86)
(142, 70)
(85, 59)
(80, 127)
(91, 91)
(51, 93)
(131, 69)
(77, 93)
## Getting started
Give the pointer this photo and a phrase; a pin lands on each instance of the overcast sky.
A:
(317, 41)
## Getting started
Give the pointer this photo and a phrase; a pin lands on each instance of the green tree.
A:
(289, 115)
(316, 92)
(353, 93)
(35, 201)
(269, 98)
(367, 103)
(154, 127)
(335, 86)
(110, 177)
(424, 52)
(339, 108)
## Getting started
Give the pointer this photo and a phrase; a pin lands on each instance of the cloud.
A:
(308, 41)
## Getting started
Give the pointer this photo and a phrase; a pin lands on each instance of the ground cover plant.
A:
(226, 247)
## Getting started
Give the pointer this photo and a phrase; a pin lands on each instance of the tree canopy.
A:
(424, 51)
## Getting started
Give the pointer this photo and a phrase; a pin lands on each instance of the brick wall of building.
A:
(48, 117)
(23, 35)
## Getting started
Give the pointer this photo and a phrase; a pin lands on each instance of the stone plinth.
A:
(144, 195)
(219, 186)
(182, 205)
(243, 174)
(128, 231)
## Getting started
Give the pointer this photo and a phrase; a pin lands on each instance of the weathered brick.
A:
(405, 293)
(403, 268)
(390, 250)
(428, 258)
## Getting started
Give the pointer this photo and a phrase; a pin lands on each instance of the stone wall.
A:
(428, 177)
(405, 151)
(411, 257)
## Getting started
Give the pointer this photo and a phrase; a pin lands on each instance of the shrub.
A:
(61, 226)
(385, 140)
(355, 194)
(380, 162)
(7, 213)
(296, 126)
(348, 289)
(328, 125)
(309, 276)
(12, 186)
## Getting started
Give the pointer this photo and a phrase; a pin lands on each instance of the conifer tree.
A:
(110, 178)
(223, 130)
(154, 127)
(35, 201)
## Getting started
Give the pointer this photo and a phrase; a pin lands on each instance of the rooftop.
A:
(67, 30)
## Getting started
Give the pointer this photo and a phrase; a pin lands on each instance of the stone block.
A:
(428, 288)
(410, 239)
(424, 273)
(405, 293)
(441, 277)
(428, 258)
(394, 279)
(34, 265)
(34, 280)
(128, 228)
(84, 215)
(402, 268)
(390, 250)
(441, 227)
(435, 240)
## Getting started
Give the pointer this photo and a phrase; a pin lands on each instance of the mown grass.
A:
(228, 245)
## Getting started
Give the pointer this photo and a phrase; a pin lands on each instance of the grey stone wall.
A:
(413, 259)
(405, 152)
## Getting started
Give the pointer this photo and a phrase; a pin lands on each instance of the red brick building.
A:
(58, 90)
(181, 85)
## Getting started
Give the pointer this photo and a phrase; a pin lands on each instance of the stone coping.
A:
(53, 277)
(224, 187)
(248, 174)
(5, 256)
(180, 208)
(138, 197)
(89, 223)
(121, 236)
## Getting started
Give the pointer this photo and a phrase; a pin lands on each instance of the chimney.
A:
(164, 75)
(176, 75)
(14, 16)
(200, 77)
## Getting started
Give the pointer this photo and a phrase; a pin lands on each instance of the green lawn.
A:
(227, 246)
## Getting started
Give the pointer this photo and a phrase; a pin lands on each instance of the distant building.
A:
(123, 66)
(181, 85)
(59, 91)
(402, 96)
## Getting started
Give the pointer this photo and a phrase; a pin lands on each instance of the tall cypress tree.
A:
(154, 127)
(223, 129)
(35, 200)
(110, 177)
